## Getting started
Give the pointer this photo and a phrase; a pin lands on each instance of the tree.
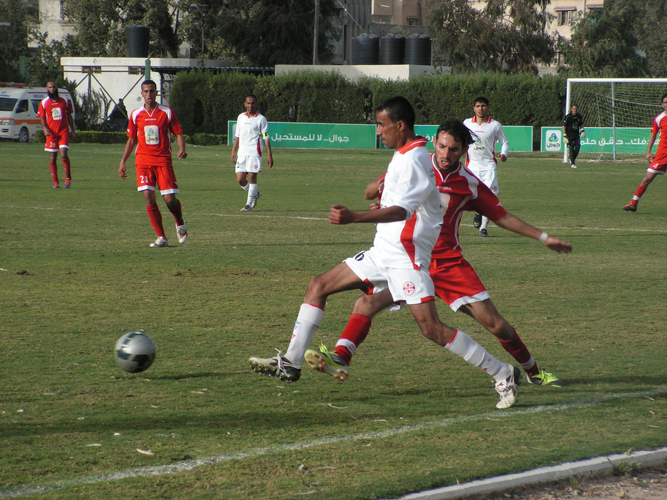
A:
(269, 32)
(505, 36)
(15, 37)
(101, 26)
(650, 29)
(603, 43)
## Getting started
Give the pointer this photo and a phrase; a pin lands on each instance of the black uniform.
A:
(573, 125)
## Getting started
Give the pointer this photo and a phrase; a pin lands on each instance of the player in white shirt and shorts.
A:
(408, 225)
(481, 157)
(252, 133)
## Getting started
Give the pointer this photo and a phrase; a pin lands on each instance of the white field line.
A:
(287, 217)
(188, 465)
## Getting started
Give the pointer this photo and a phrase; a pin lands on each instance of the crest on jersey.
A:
(409, 288)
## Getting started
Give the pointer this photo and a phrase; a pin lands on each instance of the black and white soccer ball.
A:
(134, 352)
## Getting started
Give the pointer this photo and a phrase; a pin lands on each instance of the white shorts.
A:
(410, 286)
(249, 164)
(489, 178)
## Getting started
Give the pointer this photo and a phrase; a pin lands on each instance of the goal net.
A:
(617, 114)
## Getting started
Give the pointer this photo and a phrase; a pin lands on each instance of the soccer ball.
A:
(134, 352)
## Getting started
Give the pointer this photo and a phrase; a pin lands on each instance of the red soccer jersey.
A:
(153, 130)
(659, 128)
(55, 111)
(461, 191)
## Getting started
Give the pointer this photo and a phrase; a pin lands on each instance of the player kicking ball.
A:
(456, 282)
(396, 267)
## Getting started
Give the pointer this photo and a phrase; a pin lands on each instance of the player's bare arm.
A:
(235, 148)
(70, 120)
(269, 153)
(181, 147)
(129, 146)
(649, 155)
(342, 215)
(516, 225)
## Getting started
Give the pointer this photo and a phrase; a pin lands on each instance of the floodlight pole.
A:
(316, 31)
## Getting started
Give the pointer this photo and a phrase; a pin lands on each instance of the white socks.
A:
(246, 187)
(477, 356)
(485, 223)
(306, 325)
(252, 191)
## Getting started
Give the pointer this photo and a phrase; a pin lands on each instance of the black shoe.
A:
(477, 221)
(483, 233)
(630, 208)
(278, 366)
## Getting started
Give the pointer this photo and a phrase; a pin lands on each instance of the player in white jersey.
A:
(252, 132)
(481, 158)
(409, 220)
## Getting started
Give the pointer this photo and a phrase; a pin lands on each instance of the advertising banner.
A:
(316, 135)
(601, 140)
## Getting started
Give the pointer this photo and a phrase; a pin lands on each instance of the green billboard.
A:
(601, 140)
(316, 135)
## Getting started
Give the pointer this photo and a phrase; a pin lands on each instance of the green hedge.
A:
(205, 102)
(199, 139)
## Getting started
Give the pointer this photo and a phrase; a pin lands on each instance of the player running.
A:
(396, 267)
(456, 282)
(251, 129)
(151, 126)
(658, 165)
(56, 114)
(481, 156)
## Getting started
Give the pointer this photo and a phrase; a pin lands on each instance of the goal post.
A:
(617, 113)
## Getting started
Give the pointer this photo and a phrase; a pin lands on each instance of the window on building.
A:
(413, 21)
(91, 69)
(135, 70)
(566, 17)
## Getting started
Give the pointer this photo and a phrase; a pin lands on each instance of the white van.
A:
(18, 110)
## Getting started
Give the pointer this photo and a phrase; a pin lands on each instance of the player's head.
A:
(149, 91)
(664, 96)
(395, 121)
(574, 109)
(250, 104)
(481, 107)
(52, 89)
(451, 141)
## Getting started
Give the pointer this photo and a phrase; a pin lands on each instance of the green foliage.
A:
(207, 139)
(91, 137)
(603, 44)
(505, 36)
(650, 29)
(204, 102)
(14, 39)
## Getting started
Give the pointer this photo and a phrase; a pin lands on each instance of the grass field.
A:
(77, 272)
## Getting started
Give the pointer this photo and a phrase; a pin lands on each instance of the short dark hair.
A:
(250, 95)
(149, 82)
(398, 109)
(663, 97)
(482, 99)
(458, 131)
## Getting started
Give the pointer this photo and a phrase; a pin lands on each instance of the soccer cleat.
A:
(507, 389)
(247, 208)
(327, 362)
(545, 378)
(56, 185)
(630, 208)
(253, 203)
(160, 242)
(278, 366)
(182, 232)
(483, 233)
(68, 182)
(574, 165)
(477, 221)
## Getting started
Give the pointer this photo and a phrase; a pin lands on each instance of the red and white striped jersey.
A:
(251, 131)
(659, 128)
(461, 191)
(481, 154)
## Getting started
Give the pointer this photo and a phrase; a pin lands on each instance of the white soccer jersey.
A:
(251, 131)
(481, 153)
(410, 184)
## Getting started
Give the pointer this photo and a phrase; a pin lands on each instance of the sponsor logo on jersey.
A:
(359, 257)
(409, 288)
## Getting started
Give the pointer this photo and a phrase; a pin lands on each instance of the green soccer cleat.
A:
(324, 361)
(545, 378)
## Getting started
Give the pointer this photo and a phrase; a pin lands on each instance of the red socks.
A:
(156, 219)
(638, 194)
(518, 350)
(54, 171)
(177, 213)
(353, 335)
(66, 165)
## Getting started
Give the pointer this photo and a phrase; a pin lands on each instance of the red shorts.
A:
(456, 282)
(161, 176)
(55, 142)
(659, 164)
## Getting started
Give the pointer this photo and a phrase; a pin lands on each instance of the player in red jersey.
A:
(456, 282)
(658, 165)
(150, 128)
(57, 119)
